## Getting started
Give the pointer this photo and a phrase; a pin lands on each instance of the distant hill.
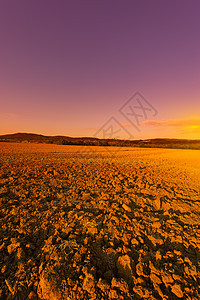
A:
(90, 141)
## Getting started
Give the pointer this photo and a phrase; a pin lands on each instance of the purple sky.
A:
(66, 67)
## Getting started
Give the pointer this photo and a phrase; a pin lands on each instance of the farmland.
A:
(99, 222)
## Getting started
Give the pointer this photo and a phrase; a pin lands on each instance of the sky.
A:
(118, 69)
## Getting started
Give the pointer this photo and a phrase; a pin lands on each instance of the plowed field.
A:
(108, 223)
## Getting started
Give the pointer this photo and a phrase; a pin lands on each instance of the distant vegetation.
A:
(89, 141)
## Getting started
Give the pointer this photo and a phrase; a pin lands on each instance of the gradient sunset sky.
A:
(68, 67)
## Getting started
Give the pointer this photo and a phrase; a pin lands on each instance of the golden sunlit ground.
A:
(99, 223)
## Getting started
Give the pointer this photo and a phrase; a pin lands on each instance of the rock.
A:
(155, 279)
(191, 271)
(2, 246)
(20, 253)
(158, 255)
(3, 269)
(176, 289)
(120, 284)
(156, 224)
(166, 206)
(177, 277)
(12, 247)
(177, 252)
(134, 242)
(156, 239)
(139, 269)
(142, 293)
(92, 230)
(89, 283)
(157, 203)
(140, 281)
(48, 286)
(126, 207)
(167, 279)
(124, 268)
(9, 285)
(153, 269)
(32, 296)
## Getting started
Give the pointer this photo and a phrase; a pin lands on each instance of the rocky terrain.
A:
(100, 224)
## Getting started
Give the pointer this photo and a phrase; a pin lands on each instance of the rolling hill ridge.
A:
(92, 141)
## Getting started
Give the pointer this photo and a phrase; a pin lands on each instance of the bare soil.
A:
(107, 223)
